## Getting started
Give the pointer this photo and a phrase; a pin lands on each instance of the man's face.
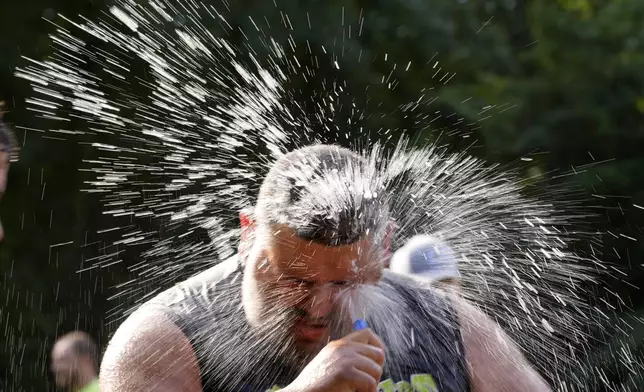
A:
(302, 284)
(4, 172)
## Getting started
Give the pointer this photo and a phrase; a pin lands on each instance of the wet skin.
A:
(307, 278)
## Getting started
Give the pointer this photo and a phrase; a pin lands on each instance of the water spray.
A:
(185, 150)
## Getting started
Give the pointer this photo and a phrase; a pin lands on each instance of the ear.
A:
(247, 223)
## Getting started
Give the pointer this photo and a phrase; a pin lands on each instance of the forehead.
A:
(303, 258)
(60, 351)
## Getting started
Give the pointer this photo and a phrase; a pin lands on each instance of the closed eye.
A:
(299, 282)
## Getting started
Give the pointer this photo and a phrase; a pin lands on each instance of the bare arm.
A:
(149, 353)
(495, 362)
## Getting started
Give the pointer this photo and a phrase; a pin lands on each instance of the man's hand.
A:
(353, 363)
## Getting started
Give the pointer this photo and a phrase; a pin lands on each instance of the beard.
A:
(275, 308)
(278, 328)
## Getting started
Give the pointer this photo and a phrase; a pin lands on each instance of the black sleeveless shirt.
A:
(208, 309)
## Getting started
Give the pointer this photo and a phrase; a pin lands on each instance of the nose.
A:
(320, 302)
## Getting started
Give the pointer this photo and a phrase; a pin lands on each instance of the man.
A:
(74, 362)
(279, 314)
(428, 259)
(8, 154)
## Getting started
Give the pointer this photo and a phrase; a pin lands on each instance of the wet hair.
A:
(322, 193)
(82, 345)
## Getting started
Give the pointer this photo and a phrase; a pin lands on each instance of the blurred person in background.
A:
(74, 362)
(429, 259)
(8, 154)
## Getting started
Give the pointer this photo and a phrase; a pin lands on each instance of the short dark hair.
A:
(83, 345)
(326, 194)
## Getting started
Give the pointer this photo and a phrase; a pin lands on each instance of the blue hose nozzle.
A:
(359, 325)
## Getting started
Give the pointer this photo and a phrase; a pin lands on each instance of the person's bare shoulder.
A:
(495, 362)
(149, 353)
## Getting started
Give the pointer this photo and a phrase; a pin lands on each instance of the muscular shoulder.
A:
(149, 353)
(496, 363)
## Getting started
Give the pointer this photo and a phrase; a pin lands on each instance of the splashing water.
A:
(512, 249)
(187, 146)
(381, 304)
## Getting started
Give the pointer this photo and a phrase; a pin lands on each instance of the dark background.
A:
(565, 76)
